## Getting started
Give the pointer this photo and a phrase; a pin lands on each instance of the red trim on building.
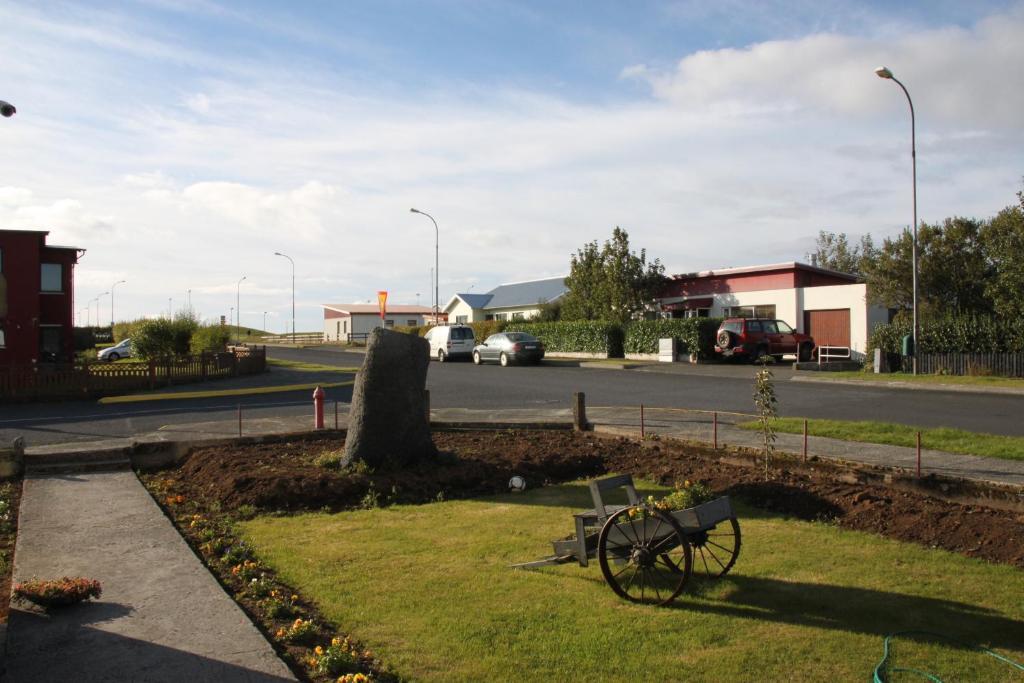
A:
(753, 279)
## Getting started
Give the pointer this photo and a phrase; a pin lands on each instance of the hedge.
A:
(695, 335)
(959, 334)
(583, 336)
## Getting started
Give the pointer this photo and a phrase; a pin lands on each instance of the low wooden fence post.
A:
(579, 411)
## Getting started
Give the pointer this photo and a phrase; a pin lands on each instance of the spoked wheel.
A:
(441, 357)
(644, 555)
(715, 550)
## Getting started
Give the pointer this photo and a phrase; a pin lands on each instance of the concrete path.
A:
(162, 616)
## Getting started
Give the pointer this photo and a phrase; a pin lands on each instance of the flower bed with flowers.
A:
(10, 497)
(58, 592)
(311, 645)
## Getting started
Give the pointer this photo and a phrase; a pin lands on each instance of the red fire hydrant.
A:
(318, 408)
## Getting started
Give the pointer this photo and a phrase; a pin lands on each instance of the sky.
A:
(183, 142)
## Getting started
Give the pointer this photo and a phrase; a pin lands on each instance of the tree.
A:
(611, 282)
(550, 312)
(1003, 240)
(833, 251)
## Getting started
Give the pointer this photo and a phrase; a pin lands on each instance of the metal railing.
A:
(826, 353)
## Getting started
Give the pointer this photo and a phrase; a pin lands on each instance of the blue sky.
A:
(182, 142)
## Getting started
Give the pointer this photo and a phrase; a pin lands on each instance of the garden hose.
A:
(882, 668)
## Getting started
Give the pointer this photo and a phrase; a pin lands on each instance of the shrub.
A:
(580, 336)
(686, 496)
(484, 329)
(127, 329)
(953, 334)
(58, 592)
(330, 460)
(337, 658)
(163, 338)
(695, 335)
(210, 338)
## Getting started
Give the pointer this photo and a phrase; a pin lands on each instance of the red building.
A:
(36, 299)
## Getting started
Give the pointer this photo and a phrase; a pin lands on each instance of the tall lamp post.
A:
(98, 307)
(277, 253)
(238, 307)
(883, 72)
(437, 273)
(119, 282)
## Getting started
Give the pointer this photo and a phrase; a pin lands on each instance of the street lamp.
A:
(238, 307)
(7, 109)
(277, 253)
(98, 307)
(264, 321)
(883, 72)
(437, 273)
(170, 307)
(119, 282)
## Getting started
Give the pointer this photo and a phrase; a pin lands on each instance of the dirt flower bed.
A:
(10, 500)
(215, 486)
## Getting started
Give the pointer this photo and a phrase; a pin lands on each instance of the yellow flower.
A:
(280, 633)
(686, 483)
(294, 597)
(335, 642)
(318, 650)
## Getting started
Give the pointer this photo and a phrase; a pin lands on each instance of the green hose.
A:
(883, 669)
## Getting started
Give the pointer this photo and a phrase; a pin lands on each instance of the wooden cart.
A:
(647, 555)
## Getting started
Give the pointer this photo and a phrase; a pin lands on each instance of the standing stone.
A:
(387, 424)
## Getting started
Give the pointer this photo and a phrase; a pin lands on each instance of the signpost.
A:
(382, 301)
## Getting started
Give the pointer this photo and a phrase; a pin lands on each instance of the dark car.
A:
(509, 347)
(754, 338)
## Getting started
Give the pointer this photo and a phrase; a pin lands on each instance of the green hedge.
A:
(583, 336)
(961, 334)
(695, 335)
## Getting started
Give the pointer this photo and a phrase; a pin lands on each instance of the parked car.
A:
(450, 341)
(754, 338)
(116, 352)
(508, 348)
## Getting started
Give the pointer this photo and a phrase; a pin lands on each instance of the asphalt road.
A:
(464, 385)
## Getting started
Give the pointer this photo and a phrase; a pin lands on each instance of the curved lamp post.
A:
(277, 253)
(119, 282)
(238, 307)
(98, 307)
(883, 72)
(437, 275)
(7, 109)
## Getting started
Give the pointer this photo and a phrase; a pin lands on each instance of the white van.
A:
(450, 341)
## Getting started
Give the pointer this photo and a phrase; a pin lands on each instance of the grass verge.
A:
(309, 367)
(935, 380)
(938, 438)
(429, 589)
(219, 393)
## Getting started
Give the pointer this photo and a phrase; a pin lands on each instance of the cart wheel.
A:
(644, 555)
(715, 550)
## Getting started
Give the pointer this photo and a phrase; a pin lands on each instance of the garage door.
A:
(829, 328)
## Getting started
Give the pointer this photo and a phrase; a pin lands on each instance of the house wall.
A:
(363, 323)
(526, 312)
(462, 308)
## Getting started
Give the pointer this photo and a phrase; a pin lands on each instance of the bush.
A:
(127, 329)
(580, 336)
(163, 338)
(953, 334)
(483, 330)
(695, 335)
(210, 338)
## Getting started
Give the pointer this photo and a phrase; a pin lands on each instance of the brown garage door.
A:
(829, 328)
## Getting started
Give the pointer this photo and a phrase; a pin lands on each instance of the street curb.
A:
(896, 384)
(221, 393)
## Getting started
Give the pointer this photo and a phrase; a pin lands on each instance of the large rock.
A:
(387, 423)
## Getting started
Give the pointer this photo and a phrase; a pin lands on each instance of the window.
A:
(49, 343)
(753, 326)
(489, 317)
(3, 342)
(337, 330)
(765, 311)
(389, 323)
(783, 327)
(51, 277)
(410, 323)
(344, 326)
(460, 319)
(501, 316)
(771, 327)
(462, 333)
(517, 316)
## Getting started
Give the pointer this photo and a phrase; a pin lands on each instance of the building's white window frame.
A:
(765, 311)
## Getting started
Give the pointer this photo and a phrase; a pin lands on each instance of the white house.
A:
(348, 322)
(829, 305)
(512, 301)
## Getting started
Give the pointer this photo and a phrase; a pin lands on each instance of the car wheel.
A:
(476, 357)
(805, 353)
(441, 357)
(112, 357)
(504, 359)
(725, 339)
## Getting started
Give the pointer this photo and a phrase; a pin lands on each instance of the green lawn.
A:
(309, 367)
(940, 438)
(428, 588)
(950, 380)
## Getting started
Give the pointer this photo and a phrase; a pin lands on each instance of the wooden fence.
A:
(1003, 364)
(19, 383)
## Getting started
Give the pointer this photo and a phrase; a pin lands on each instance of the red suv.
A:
(756, 337)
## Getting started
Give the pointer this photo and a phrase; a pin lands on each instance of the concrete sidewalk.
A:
(162, 616)
(691, 425)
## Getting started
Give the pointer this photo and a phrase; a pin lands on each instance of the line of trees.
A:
(965, 265)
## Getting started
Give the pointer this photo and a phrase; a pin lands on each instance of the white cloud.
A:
(199, 103)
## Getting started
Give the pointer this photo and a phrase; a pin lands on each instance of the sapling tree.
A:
(765, 401)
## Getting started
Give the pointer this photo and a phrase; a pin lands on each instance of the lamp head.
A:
(7, 110)
(415, 211)
(883, 72)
